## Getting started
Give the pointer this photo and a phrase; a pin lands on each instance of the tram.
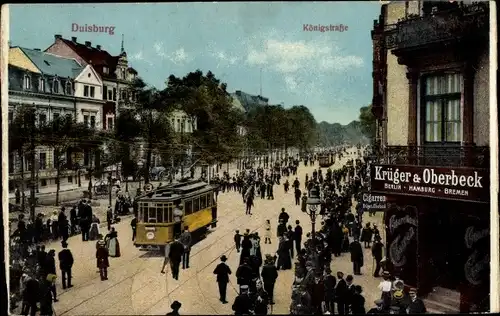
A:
(155, 225)
(326, 160)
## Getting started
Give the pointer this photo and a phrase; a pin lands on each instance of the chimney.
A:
(37, 49)
(98, 47)
(238, 92)
(88, 44)
(57, 36)
(73, 39)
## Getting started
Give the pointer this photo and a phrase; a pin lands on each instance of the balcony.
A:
(438, 156)
(460, 24)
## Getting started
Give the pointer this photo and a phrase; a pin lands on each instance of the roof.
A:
(96, 57)
(53, 65)
(237, 103)
(176, 191)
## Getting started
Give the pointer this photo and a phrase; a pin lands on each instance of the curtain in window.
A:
(453, 121)
(433, 121)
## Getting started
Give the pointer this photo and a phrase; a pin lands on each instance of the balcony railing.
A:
(438, 156)
(465, 21)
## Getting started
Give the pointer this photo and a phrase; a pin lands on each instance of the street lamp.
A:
(139, 164)
(313, 201)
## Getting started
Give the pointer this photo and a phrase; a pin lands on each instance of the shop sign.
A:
(462, 184)
(374, 202)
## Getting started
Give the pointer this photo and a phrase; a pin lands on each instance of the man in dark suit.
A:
(175, 256)
(341, 294)
(65, 264)
(351, 290)
(297, 236)
(356, 256)
(242, 303)
(330, 281)
(269, 275)
(416, 305)
(377, 252)
(222, 271)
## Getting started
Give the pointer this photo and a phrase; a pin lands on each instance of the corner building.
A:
(430, 98)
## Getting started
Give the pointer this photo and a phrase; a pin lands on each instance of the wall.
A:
(18, 58)
(84, 107)
(481, 101)
(90, 78)
(61, 49)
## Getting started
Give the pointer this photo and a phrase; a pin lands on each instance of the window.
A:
(110, 123)
(85, 91)
(114, 94)
(110, 94)
(145, 212)
(92, 121)
(152, 215)
(124, 95)
(442, 98)
(42, 119)
(209, 200)
(159, 212)
(168, 213)
(86, 120)
(43, 182)
(11, 116)
(70, 179)
(105, 92)
(55, 116)
(68, 88)
(56, 86)
(92, 92)
(203, 202)
(42, 85)
(196, 204)
(27, 82)
(105, 70)
(43, 161)
(178, 125)
(188, 207)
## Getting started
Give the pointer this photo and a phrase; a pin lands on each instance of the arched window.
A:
(55, 86)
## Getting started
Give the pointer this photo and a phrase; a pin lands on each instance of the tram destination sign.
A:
(462, 184)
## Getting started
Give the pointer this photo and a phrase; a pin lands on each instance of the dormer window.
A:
(27, 82)
(42, 85)
(105, 70)
(68, 88)
(56, 86)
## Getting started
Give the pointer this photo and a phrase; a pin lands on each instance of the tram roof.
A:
(176, 191)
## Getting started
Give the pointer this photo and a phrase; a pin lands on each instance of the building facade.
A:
(51, 84)
(430, 98)
(114, 71)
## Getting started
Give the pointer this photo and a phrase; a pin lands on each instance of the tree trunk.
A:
(33, 177)
(23, 195)
(148, 163)
(90, 184)
(58, 181)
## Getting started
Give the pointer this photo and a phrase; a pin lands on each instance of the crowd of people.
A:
(33, 270)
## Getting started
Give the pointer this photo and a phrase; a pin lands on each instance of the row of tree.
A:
(144, 130)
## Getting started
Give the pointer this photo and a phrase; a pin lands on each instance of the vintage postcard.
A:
(250, 158)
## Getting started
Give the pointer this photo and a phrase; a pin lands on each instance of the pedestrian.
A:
(102, 256)
(386, 287)
(246, 246)
(297, 236)
(55, 225)
(366, 235)
(267, 235)
(244, 273)
(283, 217)
(31, 294)
(133, 224)
(280, 229)
(341, 294)
(317, 291)
(73, 217)
(289, 235)
(17, 194)
(111, 240)
(269, 276)
(242, 303)
(356, 256)
(175, 306)
(349, 293)
(186, 241)
(46, 295)
(166, 260)
(358, 301)
(416, 305)
(175, 257)
(222, 271)
(237, 240)
(378, 309)
(109, 217)
(297, 194)
(377, 253)
(63, 224)
(284, 259)
(65, 264)
(50, 268)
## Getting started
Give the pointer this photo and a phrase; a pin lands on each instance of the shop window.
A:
(442, 107)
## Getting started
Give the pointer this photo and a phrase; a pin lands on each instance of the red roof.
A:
(96, 57)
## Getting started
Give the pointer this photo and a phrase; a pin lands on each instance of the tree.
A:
(368, 122)
(206, 102)
(150, 112)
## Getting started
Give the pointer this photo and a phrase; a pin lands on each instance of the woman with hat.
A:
(112, 243)
(386, 287)
(175, 309)
(222, 271)
(94, 228)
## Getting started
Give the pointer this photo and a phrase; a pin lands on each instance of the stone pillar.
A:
(412, 76)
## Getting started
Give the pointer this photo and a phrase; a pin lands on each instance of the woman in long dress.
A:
(112, 243)
(94, 228)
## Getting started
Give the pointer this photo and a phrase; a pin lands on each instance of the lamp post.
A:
(313, 201)
(139, 164)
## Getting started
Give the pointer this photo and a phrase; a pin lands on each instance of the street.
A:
(135, 285)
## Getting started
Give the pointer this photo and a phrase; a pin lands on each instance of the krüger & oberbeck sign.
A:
(465, 184)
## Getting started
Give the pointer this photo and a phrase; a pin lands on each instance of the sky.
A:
(248, 45)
